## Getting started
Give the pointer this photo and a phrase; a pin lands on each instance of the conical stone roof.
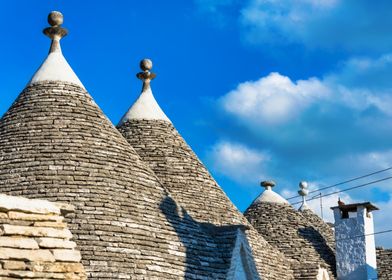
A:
(55, 143)
(297, 237)
(159, 144)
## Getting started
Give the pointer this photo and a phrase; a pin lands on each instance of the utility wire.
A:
(357, 236)
(348, 189)
(345, 182)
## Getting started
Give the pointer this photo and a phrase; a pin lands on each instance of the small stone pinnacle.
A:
(146, 64)
(55, 18)
(303, 185)
(55, 32)
(146, 76)
(267, 184)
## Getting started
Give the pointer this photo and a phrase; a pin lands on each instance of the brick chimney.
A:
(355, 246)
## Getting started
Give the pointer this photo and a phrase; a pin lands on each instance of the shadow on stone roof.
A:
(208, 249)
(319, 243)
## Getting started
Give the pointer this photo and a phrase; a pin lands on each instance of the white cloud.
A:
(238, 162)
(273, 99)
(276, 99)
(326, 129)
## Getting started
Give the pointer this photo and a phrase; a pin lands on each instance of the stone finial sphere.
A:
(55, 18)
(146, 64)
(303, 185)
(267, 184)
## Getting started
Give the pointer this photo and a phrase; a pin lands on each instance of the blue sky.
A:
(260, 89)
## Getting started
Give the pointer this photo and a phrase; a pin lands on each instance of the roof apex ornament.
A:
(55, 31)
(303, 191)
(268, 185)
(146, 76)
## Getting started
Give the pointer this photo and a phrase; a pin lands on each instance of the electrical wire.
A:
(345, 182)
(345, 190)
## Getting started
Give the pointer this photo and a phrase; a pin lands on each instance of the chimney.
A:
(355, 246)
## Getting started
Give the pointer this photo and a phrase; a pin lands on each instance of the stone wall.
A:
(384, 263)
(35, 241)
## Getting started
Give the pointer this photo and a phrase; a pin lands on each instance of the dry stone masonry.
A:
(384, 263)
(137, 202)
(160, 145)
(286, 228)
(35, 242)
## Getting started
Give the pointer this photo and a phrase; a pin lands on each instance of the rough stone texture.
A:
(287, 229)
(325, 230)
(21, 255)
(160, 145)
(55, 143)
(384, 263)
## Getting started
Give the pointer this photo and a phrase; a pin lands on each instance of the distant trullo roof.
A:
(160, 145)
(55, 143)
(299, 235)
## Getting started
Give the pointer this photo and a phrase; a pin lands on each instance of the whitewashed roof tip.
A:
(145, 107)
(268, 195)
(55, 67)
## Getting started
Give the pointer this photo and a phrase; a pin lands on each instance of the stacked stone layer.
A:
(35, 242)
(55, 143)
(384, 263)
(287, 229)
(160, 145)
(325, 230)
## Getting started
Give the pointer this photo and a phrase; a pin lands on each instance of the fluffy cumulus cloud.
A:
(238, 162)
(360, 84)
(273, 99)
(326, 129)
(351, 24)
(333, 117)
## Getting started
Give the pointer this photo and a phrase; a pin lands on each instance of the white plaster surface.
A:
(145, 107)
(322, 274)
(270, 196)
(355, 252)
(304, 206)
(55, 68)
(242, 265)
(22, 204)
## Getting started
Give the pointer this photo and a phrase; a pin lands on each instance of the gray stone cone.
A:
(294, 235)
(55, 143)
(160, 145)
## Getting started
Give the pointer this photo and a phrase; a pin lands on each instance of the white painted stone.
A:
(145, 107)
(355, 246)
(9, 203)
(322, 274)
(270, 196)
(55, 68)
(242, 266)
